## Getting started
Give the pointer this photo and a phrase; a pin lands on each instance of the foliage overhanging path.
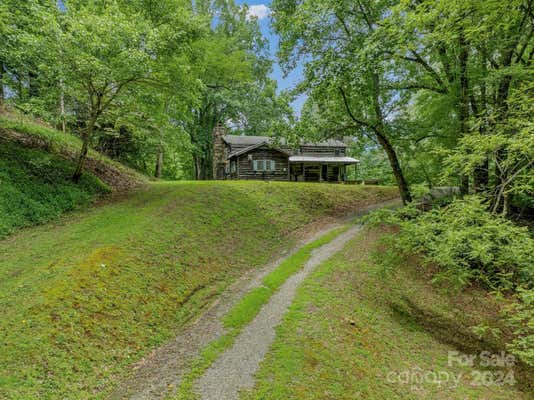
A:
(235, 369)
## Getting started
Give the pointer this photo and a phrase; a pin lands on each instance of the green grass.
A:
(29, 127)
(247, 308)
(351, 327)
(58, 143)
(89, 294)
(36, 187)
(276, 278)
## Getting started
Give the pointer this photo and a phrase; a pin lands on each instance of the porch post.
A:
(288, 171)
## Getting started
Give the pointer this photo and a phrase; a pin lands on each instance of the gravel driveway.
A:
(235, 369)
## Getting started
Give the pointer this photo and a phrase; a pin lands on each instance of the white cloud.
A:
(259, 11)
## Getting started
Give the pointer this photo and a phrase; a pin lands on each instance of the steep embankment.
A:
(86, 296)
(36, 163)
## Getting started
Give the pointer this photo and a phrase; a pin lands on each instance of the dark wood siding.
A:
(322, 151)
(245, 165)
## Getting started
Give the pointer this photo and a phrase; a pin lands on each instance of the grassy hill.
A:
(358, 331)
(36, 163)
(85, 296)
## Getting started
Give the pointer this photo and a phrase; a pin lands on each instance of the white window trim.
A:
(264, 165)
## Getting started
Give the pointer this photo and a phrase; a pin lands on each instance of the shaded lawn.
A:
(352, 331)
(91, 293)
(36, 186)
(31, 133)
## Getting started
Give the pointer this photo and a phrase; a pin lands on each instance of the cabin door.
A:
(324, 172)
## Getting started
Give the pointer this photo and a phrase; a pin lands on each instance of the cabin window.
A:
(263, 165)
(337, 152)
(258, 165)
(233, 167)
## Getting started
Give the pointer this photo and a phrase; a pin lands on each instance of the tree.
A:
(23, 30)
(469, 54)
(346, 77)
(107, 50)
(232, 63)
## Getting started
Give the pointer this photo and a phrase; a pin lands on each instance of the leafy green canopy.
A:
(143, 81)
(421, 80)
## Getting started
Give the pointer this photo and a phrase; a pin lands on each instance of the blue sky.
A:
(261, 10)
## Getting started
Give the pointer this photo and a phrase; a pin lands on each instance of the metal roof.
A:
(252, 140)
(338, 160)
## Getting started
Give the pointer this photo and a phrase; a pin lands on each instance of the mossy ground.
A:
(87, 295)
(35, 187)
(60, 149)
(355, 332)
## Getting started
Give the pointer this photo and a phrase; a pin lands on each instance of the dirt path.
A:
(157, 375)
(235, 369)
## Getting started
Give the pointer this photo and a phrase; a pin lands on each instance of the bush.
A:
(519, 317)
(35, 187)
(470, 244)
(467, 242)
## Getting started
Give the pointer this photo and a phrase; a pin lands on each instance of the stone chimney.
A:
(219, 152)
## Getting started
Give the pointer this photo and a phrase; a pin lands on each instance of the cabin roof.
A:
(326, 159)
(256, 146)
(239, 140)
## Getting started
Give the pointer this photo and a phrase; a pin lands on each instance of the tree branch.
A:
(351, 114)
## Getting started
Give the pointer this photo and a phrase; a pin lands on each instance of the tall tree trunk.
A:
(379, 130)
(463, 109)
(62, 105)
(78, 172)
(2, 94)
(404, 189)
(33, 88)
(86, 138)
(481, 172)
(159, 158)
(481, 177)
(20, 87)
(198, 168)
(395, 166)
(501, 174)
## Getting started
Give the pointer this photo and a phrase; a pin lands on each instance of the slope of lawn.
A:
(357, 332)
(35, 187)
(36, 164)
(86, 296)
(31, 133)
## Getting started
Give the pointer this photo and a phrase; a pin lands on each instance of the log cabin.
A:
(264, 158)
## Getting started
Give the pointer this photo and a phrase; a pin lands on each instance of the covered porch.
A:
(319, 169)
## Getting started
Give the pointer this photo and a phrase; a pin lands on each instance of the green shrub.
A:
(470, 244)
(519, 317)
(467, 242)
